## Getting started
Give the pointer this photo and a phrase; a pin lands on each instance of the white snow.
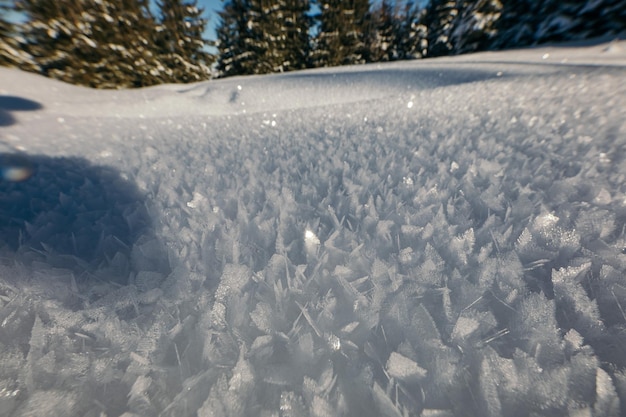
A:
(438, 237)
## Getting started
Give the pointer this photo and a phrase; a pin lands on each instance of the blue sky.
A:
(211, 7)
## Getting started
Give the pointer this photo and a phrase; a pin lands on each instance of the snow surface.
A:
(437, 238)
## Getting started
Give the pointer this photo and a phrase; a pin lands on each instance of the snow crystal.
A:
(234, 278)
(310, 238)
(196, 201)
(404, 368)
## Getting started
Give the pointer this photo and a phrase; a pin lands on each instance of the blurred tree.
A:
(98, 43)
(567, 20)
(263, 36)
(384, 34)
(233, 34)
(411, 33)
(344, 32)
(286, 34)
(603, 18)
(516, 25)
(439, 19)
(180, 43)
(526, 22)
(475, 25)
(11, 48)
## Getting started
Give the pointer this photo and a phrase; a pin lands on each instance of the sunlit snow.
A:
(441, 238)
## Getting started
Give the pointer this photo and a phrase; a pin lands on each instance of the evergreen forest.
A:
(131, 43)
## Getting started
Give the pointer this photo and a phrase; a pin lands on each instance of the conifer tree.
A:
(412, 33)
(527, 22)
(327, 45)
(11, 49)
(235, 57)
(263, 36)
(180, 42)
(7, 41)
(344, 31)
(567, 20)
(602, 18)
(516, 25)
(240, 36)
(285, 34)
(384, 41)
(297, 28)
(439, 18)
(278, 34)
(559, 21)
(98, 43)
(259, 21)
(475, 25)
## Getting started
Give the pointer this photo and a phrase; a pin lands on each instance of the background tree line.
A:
(107, 43)
(122, 43)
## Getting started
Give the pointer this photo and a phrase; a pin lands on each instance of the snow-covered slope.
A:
(438, 238)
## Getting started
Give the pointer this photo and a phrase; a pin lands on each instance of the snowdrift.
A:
(437, 238)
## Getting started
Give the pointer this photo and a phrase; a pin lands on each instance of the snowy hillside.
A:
(436, 238)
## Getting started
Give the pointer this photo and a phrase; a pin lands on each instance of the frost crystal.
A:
(310, 238)
(404, 368)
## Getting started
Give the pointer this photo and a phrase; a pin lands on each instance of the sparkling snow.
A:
(442, 237)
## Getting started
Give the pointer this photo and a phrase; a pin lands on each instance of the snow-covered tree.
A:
(412, 33)
(344, 27)
(439, 18)
(11, 49)
(98, 43)
(384, 34)
(291, 40)
(262, 36)
(181, 46)
(474, 25)
(232, 31)
(279, 34)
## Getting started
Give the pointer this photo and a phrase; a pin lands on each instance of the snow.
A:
(438, 237)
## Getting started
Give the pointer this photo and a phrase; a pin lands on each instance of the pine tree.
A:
(344, 30)
(439, 18)
(286, 35)
(411, 34)
(180, 42)
(603, 18)
(11, 49)
(297, 25)
(568, 20)
(526, 22)
(98, 43)
(328, 48)
(232, 31)
(475, 25)
(384, 41)
(558, 19)
(279, 34)
(263, 36)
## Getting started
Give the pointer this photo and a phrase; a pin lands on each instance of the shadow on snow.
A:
(72, 214)
(9, 104)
